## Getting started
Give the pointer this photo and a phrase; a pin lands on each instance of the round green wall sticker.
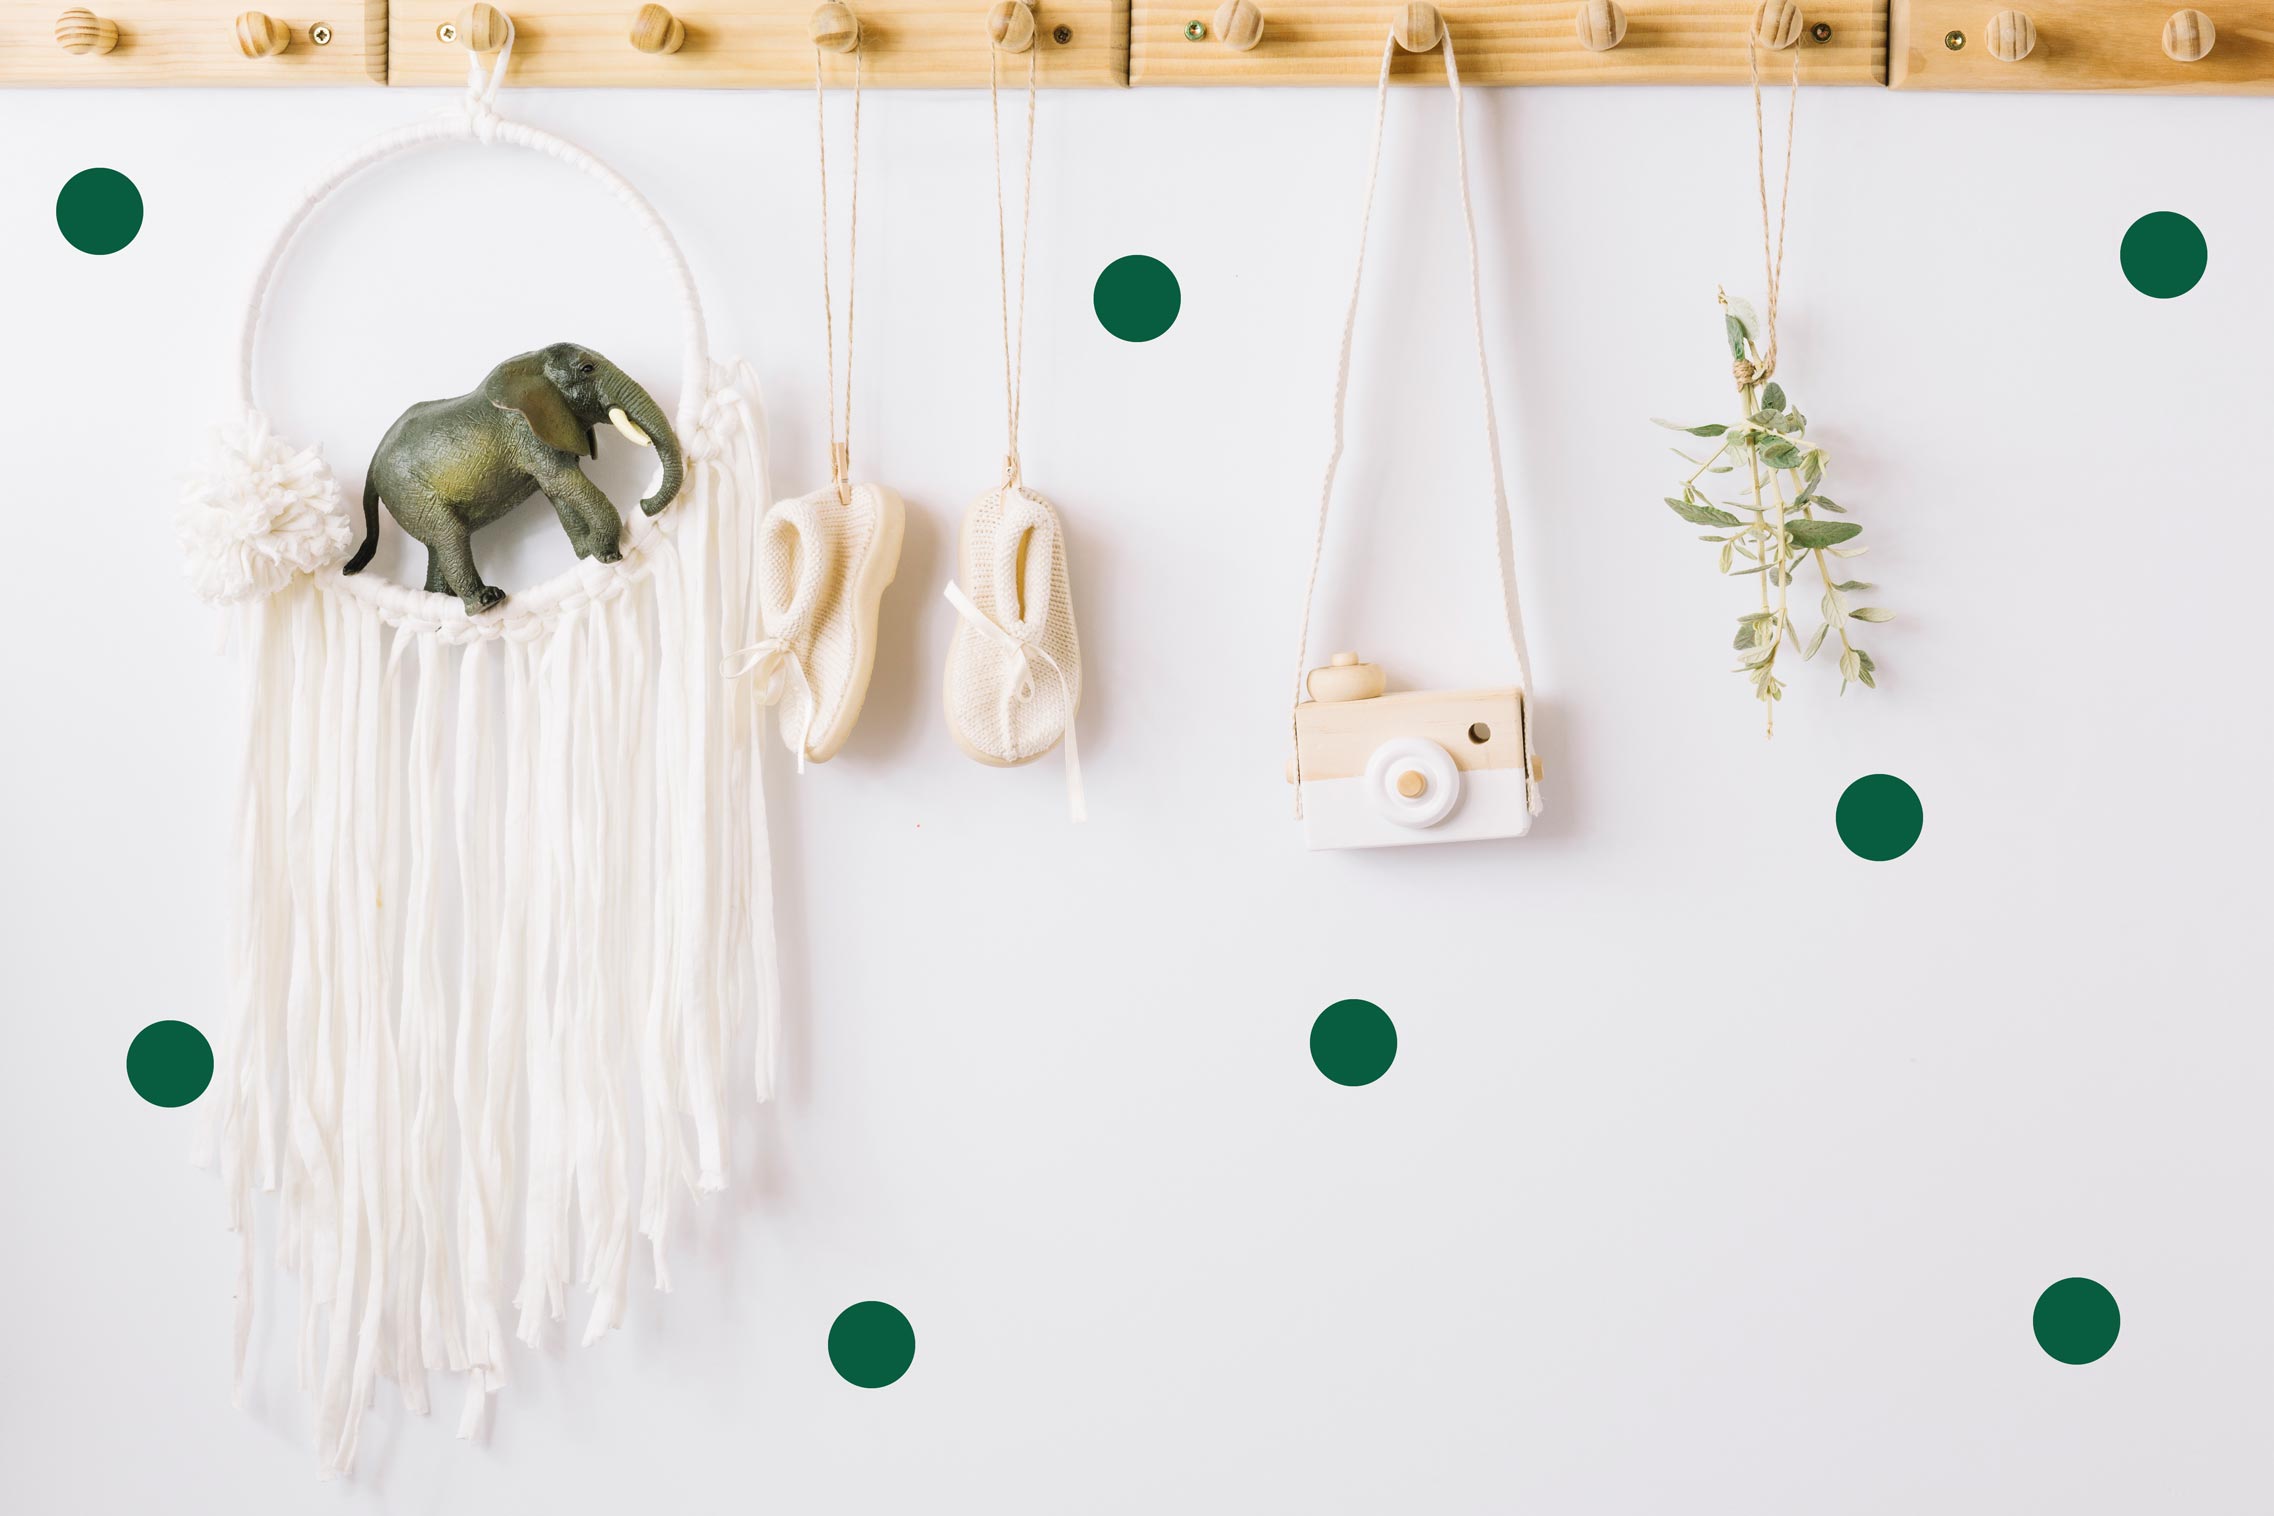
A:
(1879, 817)
(99, 210)
(2164, 254)
(169, 1063)
(1137, 298)
(2076, 1320)
(871, 1344)
(1353, 1042)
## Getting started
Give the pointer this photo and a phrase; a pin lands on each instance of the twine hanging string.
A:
(1747, 374)
(840, 448)
(1014, 348)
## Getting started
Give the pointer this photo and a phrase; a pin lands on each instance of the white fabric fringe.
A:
(504, 909)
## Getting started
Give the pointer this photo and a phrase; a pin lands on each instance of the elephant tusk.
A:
(623, 423)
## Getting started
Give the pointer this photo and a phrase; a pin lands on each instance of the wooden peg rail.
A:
(2137, 46)
(1657, 42)
(760, 44)
(2142, 46)
(166, 42)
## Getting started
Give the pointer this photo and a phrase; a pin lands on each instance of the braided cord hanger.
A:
(1748, 374)
(1014, 350)
(840, 448)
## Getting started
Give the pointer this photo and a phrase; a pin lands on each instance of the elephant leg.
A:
(453, 553)
(572, 522)
(577, 498)
(435, 583)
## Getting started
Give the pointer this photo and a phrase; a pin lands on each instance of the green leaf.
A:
(1736, 329)
(1711, 429)
(1772, 397)
(1851, 664)
(1700, 514)
(1824, 501)
(1815, 642)
(1725, 547)
(1816, 534)
(1781, 454)
(1872, 613)
(1849, 552)
(1854, 584)
(1865, 668)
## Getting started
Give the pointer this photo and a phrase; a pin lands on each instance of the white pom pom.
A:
(259, 513)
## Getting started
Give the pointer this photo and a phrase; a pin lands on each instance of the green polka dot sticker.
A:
(99, 210)
(871, 1344)
(1137, 298)
(1879, 817)
(1354, 1042)
(2164, 254)
(2076, 1320)
(169, 1063)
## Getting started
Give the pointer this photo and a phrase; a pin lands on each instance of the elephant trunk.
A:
(640, 407)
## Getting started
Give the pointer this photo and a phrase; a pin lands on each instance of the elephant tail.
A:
(362, 558)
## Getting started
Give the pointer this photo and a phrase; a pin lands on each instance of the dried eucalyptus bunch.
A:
(1774, 523)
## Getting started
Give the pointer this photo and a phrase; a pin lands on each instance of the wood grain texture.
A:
(759, 44)
(1337, 737)
(1527, 42)
(2105, 46)
(194, 42)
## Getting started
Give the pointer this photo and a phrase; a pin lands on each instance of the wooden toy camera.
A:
(1380, 770)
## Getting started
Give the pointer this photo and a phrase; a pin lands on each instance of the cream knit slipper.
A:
(1014, 665)
(822, 568)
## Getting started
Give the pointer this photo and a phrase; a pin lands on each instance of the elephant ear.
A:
(520, 385)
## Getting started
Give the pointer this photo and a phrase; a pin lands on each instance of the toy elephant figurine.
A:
(449, 467)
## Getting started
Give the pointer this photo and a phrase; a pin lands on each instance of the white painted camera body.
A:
(1379, 770)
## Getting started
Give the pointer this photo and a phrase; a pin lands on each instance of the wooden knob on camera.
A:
(1239, 25)
(1777, 24)
(1418, 27)
(2188, 37)
(1344, 679)
(656, 30)
(1010, 25)
(260, 35)
(1602, 25)
(483, 28)
(2012, 36)
(85, 34)
(834, 28)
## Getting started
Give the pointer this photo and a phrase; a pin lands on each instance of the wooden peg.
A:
(1602, 25)
(483, 28)
(260, 35)
(1412, 783)
(1239, 25)
(85, 33)
(2012, 36)
(2188, 37)
(834, 28)
(1418, 27)
(656, 30)
(1777, 24)
(1010, 25)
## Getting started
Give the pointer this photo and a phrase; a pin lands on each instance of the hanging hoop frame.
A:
(476, 121)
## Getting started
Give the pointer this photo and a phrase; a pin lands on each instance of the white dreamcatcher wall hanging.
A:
(495, 869)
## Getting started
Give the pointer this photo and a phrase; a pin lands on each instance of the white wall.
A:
(1718, 1170)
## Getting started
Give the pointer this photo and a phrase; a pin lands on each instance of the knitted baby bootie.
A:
(1014, 665)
